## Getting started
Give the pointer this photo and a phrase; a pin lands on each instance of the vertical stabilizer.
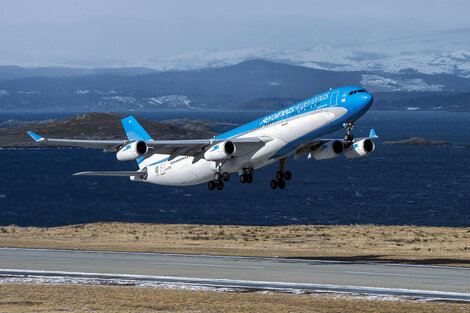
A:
(135, 132)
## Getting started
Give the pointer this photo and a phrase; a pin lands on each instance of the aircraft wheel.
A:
(243, 178)
(287, 175)
(211, 185)
(252, 171)
(220, 185)
(226, 176)
(348, 137)
(273, 184)
(279, 175)
(282, 184)
(217, 176)
(249, 178)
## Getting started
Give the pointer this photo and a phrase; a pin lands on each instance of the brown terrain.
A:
(401, 244)
(79, 298)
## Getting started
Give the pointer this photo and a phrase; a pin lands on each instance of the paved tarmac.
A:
(244, 271)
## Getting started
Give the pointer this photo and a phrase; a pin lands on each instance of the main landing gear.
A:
(348, 136)
(247, 176)
(218, 181)
(281, 176)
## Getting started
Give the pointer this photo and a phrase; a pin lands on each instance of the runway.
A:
(242, 272)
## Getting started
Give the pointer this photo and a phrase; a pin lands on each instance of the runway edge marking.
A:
(258, 285)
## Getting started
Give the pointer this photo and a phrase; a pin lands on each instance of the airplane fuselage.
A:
(286, 129)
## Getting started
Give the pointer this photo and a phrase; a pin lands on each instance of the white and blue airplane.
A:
(295, 130)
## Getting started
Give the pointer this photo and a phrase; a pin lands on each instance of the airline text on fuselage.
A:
(296, 108)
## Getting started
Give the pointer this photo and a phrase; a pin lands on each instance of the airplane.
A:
(293, 131)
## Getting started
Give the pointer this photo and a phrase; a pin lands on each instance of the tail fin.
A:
(134, 132)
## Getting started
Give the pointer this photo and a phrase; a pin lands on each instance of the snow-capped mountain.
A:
(444, 52)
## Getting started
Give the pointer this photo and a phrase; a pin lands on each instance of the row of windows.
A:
(179, 159)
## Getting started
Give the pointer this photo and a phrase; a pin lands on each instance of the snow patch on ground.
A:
(82, 91)
(171, 101)
(380, 83)
(58, 280)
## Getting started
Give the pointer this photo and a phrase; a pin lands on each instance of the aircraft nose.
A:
(368, 99)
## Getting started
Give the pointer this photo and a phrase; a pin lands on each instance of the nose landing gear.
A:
(281, 176)
(348, 136)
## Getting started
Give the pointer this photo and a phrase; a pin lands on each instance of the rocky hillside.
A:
(101, 126)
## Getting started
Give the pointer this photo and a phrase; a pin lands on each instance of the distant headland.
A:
(418, 141)
(100, 126)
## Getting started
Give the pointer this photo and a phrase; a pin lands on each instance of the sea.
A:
(396, 185)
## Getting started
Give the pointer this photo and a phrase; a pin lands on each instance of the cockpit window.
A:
(356, 91)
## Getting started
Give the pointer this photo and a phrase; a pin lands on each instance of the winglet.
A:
(36, 137)
(373, 134)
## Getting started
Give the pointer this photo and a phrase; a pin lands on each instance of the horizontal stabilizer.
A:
(142, 174)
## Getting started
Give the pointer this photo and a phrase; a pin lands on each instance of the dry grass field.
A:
(79, 298)
(402, 244)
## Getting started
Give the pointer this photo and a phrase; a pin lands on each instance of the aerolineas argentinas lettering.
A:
(298, 107)
(132, 151)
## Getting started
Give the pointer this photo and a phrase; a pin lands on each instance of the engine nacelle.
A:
(220, 151)
(329, 150)
(359, 149)
(132, 151)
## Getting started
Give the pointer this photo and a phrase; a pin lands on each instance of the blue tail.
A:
(135, 132)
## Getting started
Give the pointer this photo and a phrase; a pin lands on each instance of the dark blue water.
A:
(421, 185)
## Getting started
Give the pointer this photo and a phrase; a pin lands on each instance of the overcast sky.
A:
(128, 33)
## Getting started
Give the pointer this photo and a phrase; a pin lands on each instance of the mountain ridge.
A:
(253, 84)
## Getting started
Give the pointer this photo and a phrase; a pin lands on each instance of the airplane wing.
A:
(176, 147)
(193, 147)
(314, 144)
(108, 145)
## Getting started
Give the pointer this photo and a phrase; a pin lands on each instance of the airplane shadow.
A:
(386, 259)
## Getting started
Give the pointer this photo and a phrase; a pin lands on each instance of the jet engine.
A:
(220, 151)
(132, 151)
(359, 149)
(329, 150)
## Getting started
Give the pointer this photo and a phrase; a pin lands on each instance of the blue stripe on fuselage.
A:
(160, 161)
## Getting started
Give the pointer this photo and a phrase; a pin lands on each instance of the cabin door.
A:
(334, 98)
